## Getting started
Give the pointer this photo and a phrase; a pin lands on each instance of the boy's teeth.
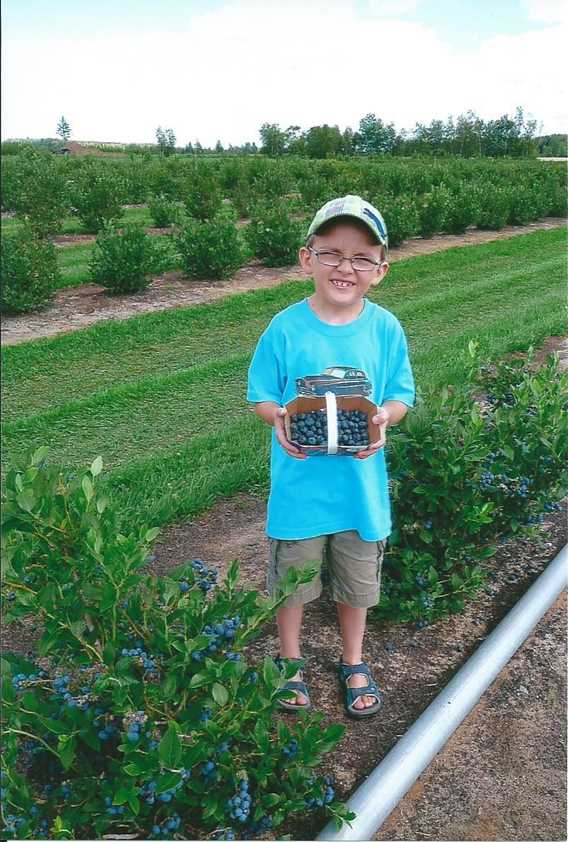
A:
(342, 284)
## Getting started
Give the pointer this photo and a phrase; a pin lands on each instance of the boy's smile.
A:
(339, 290)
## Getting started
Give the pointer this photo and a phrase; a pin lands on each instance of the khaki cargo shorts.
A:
(354, 567)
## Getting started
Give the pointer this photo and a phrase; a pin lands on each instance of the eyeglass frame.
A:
(377, 263)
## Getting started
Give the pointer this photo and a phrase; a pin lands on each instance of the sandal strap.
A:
(353, 693)
(370, 690)
(296, 685)
(347, 670)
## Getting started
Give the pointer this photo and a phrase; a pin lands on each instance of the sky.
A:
(218, 69)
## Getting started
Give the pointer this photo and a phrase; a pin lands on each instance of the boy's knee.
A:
(356, 570)
(284, 555)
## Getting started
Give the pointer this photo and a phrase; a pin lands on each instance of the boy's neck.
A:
(335, 315)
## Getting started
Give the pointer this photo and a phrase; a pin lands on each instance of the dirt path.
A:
(502, 774)
(78, 307)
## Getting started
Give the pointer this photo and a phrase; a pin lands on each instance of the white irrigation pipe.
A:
(379, 794)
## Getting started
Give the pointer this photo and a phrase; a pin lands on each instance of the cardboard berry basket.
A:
(332, 403)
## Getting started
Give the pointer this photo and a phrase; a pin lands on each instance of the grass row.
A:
(162, 396)
(73, 225)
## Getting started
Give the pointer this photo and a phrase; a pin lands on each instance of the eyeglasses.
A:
(358, 264)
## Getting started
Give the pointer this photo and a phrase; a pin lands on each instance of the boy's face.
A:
(342, 288)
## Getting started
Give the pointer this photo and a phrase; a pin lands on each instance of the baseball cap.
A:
(351, 206)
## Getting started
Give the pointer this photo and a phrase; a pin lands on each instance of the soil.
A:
(78, 307)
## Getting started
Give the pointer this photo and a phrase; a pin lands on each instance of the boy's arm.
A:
(273, 414)
(389, 414)
(396, 411)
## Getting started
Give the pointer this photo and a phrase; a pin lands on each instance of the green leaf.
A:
(167, 781)
(169, 686)
(77, 627)
(199, 679)
(270, 673)
(151, 534)
(132, 769)
(169, 750)
(220, 694)
(39, 454)
(89, 736)
(26, 500)
(261, 734)
(66, 751)
(270, 799)
(88, 489)
(96, 466)
(102, 503)
(121, 796)
(334, 733)
(134, 803)
(232, 574)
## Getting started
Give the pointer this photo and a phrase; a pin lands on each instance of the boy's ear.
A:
(381, 273)
(305, 258)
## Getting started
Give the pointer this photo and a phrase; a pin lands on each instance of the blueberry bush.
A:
(29, 272)
(493, 209)
(462, 210)
(401, 217)
(471, 467)
(164, 211)
(274, 235)
(432, 211)
(203, 198)
(139, 712)
(39, 191)
(123, 261)
(212, 249)
(97, 195)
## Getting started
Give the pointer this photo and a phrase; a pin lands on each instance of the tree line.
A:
(466, 136)
(469, 135)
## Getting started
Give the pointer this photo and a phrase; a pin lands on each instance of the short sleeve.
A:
(400, 381)
(265, 376)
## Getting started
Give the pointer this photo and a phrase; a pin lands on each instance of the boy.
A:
(333, 504)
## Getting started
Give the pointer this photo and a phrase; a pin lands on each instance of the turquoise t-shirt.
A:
(322, 495)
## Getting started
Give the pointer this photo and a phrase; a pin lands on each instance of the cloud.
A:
(546, 11)
(221, 74)
(392, 8)
(526, 70)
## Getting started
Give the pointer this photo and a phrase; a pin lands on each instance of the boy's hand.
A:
(381, 419)
(280, 429)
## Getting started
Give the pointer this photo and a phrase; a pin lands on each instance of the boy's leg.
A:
(283, 555)
(355, 568)
(289, 622)
(352, 625)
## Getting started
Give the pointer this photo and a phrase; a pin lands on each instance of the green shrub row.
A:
(205, 237)
(248, 180)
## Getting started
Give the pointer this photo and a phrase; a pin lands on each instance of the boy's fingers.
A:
(377, 445)
(283, 440)
(381, 416)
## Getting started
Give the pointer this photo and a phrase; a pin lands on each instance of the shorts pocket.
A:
(380, 556)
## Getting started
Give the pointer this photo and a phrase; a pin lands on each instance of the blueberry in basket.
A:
(310, 428)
